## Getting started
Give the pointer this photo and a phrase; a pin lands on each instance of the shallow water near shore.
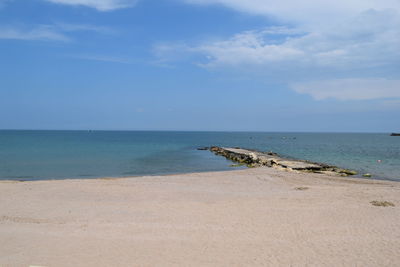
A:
(38, 155)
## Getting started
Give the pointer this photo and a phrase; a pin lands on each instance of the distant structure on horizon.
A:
(395, 134)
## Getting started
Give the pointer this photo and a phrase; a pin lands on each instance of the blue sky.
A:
(243, 65)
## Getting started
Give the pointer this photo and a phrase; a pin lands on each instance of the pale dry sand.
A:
(252, 217)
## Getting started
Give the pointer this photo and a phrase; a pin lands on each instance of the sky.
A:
(210, 65)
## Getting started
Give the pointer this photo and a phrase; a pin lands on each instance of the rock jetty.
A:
(254, 158)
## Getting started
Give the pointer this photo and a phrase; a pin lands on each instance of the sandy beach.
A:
(253, 217)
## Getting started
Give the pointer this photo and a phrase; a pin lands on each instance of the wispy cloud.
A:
(100, 5)
(370, 39)
(103, 58)
(168, 53)
(341, 54)
(41, 32)
(350, 89)
(66, 27)
(250, 47)
(54, 32)
(313, 13)
(241, 48)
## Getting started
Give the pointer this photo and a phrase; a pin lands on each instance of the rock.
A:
(347, 172)
(382, 203)
(301, 188)
(202, 148)
(236, 165)
(367, 175)
(253, 158)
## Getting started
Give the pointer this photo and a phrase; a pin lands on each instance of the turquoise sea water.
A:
(34, 155)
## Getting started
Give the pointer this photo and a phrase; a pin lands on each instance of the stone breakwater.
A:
(253, 158)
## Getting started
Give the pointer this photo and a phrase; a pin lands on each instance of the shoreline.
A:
(356, 177)
(255, 216)
(233, 168)
(246, 158)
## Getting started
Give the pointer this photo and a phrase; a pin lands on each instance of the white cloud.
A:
(350, 89)
(343, 54)
(251, 47)
(336, 34)
(43, 32)
(101, 5)
(55, 32)
(307, 12)
(367, 40)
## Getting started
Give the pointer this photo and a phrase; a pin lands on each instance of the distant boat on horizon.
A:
(395, 134)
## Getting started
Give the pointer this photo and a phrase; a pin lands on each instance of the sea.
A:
(43, 155)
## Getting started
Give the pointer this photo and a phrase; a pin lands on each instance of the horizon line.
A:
(165, 130)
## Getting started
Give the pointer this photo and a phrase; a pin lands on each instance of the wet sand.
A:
(252, 217)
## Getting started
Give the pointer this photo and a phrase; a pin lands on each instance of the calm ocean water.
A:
(34, 155)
